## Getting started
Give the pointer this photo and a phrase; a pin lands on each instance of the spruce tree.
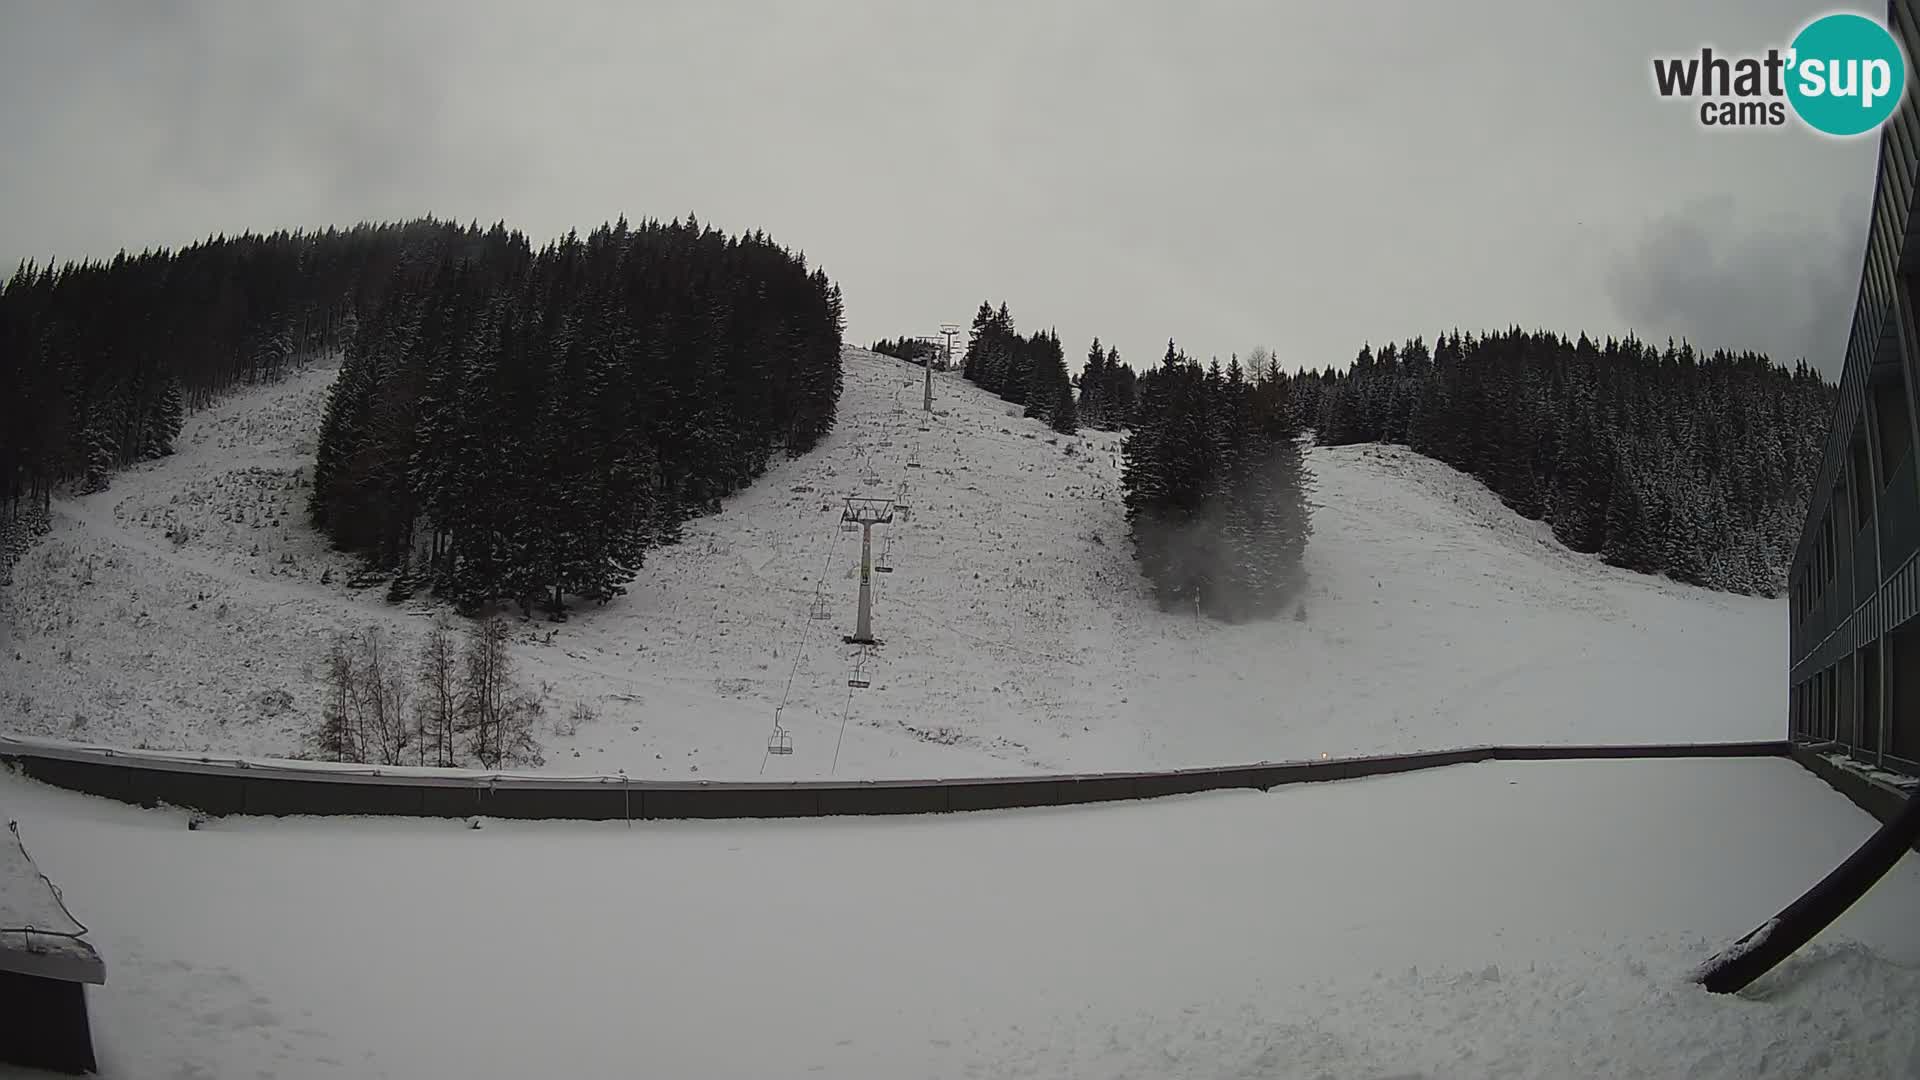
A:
(1092, 406)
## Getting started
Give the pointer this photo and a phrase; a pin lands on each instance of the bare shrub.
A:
(580, 716)
(468, 705)
(384, 690)
(497, 716)
(364, 716)
(337, 738)
(437, 710)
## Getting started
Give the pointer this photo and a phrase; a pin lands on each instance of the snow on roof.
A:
(38, 935)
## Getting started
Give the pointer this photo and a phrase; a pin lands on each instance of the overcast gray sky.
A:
(1300, 175)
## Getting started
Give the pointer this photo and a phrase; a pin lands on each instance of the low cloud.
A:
(1722, 279)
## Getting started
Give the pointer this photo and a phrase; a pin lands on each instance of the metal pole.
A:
(926, 405)
(863, 628)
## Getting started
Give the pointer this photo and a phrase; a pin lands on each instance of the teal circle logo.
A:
(1846, 74)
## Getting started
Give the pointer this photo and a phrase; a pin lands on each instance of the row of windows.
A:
(1812, 578)
(1866, 479)
(1869, 701)
(1854, 495)
(1843, 703)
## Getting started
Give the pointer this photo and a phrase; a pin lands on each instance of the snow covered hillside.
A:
(1499, 920)
(188, 607)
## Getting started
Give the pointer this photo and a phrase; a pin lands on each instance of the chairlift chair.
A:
(780, 742)
(859, 681)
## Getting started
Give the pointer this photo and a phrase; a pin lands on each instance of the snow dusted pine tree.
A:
(1663, 460)
(1091, 409)
(1216, 488)
(533, 422)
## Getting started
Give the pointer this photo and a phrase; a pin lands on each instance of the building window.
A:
(1890, 416)
(1830, 548)
(1862, 485)
(1846, 722)
(1903, 664)
(1869, 723)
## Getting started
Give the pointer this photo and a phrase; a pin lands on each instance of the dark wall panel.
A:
(213, 793)
(219, 788)
(280, 797)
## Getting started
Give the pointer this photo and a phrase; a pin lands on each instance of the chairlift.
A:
(858, 683)
(818, 609)
(780, 742)
(913, 460)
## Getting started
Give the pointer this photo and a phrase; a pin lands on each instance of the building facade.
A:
(1855, 584)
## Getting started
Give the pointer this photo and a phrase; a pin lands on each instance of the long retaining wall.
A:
(1880, 797)
(223, 786)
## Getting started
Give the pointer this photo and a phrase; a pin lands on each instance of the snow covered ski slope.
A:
(188, 606)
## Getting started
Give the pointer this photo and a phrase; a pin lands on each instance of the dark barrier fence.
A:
(222, 787)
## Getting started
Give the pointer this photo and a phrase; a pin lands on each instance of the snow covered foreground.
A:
(1495, 920)
(184, 609)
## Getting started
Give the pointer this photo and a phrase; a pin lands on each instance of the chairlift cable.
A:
(799, 652)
